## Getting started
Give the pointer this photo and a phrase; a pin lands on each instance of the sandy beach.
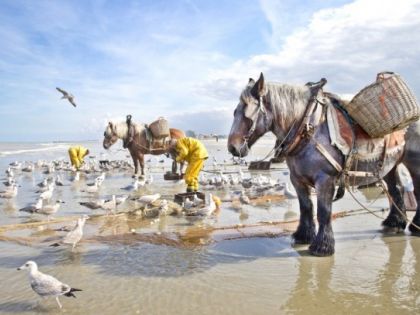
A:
(236, 262)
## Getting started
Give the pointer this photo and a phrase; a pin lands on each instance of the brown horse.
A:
(140, 144)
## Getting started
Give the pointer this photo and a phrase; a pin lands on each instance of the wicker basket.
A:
(384, 106)
(160, 128)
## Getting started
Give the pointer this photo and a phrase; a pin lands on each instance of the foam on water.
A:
(46, 147)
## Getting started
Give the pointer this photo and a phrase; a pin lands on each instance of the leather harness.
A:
(305, 131)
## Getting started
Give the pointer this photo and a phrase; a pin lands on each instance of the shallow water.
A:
(369, 274)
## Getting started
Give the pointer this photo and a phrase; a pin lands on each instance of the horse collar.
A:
(305, 130)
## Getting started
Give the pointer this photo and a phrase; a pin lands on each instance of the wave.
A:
(23, 151)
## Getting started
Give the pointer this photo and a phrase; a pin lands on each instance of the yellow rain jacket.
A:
(194, 152)
(190, 149)
(77, 153)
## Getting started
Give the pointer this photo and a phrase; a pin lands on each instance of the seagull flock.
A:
(90, 178)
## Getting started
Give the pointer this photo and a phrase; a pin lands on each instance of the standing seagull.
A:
(75, 235)
(46, 285)
(68, 96)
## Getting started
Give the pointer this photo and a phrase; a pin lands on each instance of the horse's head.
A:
(251, 118)
(110, 135)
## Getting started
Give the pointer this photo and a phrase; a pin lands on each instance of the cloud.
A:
(187, 60)
(348, 45)
(217, 121)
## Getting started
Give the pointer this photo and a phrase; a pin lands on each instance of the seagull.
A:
(34, 207)
(236, 203)
(58, 181)
(101, 178)
(187, 204)
(120, 199)
(92, 188)
(289, 192)
(75, 235)
(206, 210)
(110, 204)
(48, 194)
(76, 176)
(44, 189)
(45, 285)
(93, 204)
(9, 193)
(28, 168)
(50, 209)
(10, 181)
(149, 179)
(44, 183)
(244, 198)
(164, 207)
(147, 199)
(67, 96)
(132, 187)
(197, 201)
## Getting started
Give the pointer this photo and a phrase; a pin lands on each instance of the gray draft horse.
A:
(274, 107)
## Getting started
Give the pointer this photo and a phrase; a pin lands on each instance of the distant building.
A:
(191, 134)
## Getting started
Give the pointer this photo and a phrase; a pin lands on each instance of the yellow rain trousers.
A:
(194, 153)
(77, 153)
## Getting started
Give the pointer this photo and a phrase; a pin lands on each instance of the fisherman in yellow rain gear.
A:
(193, 152)
(77, 154)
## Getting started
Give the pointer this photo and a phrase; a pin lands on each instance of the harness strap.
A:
(328, 156)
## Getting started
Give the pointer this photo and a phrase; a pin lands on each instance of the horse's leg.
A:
(323, 244)
(305, 232)
(395, 220)
(135, 162)
(141, 160)
(412, 165)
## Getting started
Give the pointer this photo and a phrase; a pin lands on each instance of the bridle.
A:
(254, 119)
(304, 130)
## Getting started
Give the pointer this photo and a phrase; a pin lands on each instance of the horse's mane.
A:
(121, 129)
(288, 101)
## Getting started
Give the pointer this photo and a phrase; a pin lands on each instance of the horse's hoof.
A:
(323, 244)
(391, 230)
(394, 222)
(414, 231)
(321, 250)
(304, 236)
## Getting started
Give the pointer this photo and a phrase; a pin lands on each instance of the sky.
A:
(186, 60)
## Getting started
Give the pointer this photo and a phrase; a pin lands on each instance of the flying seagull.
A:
(46, 285)
(67, 95)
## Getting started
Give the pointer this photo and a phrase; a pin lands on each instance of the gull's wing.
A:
(74, 236)
(62, 91)
(46, 285)
(71, 100)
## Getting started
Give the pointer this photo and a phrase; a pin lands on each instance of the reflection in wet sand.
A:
(392, 290)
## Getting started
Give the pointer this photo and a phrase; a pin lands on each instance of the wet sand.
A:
(227, 264)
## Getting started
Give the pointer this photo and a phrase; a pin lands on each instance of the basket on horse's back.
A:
(160, 128)
(384, 106)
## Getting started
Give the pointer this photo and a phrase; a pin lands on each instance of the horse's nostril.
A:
(232, 150)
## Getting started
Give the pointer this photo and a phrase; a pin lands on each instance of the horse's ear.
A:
(111, 125)
(251, 81)
(259, 87)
